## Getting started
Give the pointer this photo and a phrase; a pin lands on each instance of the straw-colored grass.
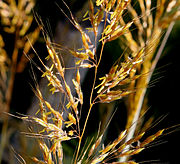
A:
(128, 77)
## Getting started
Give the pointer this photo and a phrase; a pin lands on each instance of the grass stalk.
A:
(91, 103)
(8, 95)
(80, 138)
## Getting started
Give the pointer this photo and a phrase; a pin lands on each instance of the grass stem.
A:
(91, 103)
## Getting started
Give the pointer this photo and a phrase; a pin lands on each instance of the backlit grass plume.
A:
(128, 77)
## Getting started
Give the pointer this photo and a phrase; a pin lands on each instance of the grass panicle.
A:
(140, 32)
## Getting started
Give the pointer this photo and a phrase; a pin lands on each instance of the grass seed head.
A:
(151, 138)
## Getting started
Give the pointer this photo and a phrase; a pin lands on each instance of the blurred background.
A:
(163, 96)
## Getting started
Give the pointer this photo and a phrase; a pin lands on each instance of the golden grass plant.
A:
(128, 77)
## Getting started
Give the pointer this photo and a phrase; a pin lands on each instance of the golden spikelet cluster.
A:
(52, 123)
(128, 77)
(119, 76)
(117, 149)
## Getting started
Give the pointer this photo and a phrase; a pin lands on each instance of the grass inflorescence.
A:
(140, 32)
